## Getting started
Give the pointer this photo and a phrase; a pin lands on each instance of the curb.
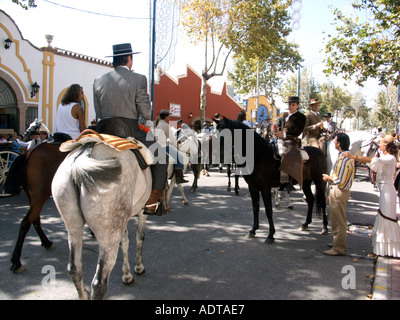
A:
(381, 286)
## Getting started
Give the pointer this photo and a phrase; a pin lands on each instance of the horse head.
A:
(33, 128)
(224, 123)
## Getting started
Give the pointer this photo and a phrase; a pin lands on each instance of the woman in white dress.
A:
(386, 241)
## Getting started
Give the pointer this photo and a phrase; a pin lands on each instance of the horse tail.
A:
(88, 172)
(16, 175)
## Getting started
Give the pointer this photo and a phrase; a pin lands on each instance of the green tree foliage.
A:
(385, 115)
(283, 58)
(309, 89)
(250, 29)
(25, 4)
(368, 48)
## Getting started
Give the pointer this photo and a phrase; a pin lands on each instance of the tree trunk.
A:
(203, 101)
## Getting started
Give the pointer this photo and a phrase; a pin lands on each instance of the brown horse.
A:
(34, 172)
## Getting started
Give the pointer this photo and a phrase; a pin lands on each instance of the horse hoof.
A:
(291, 207)
(139, 271)
(303, 228)
(186, 203)
(270, 240)
(251, 235)
(324, 231)
(128, 280)
(17, 269)
(51, 247)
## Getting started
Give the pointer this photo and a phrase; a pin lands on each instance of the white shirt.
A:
(65, 122)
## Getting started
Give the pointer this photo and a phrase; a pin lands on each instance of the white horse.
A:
(358, 140)
(103, 188)
(188, 151)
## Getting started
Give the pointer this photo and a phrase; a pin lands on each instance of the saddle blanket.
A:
(117, 143)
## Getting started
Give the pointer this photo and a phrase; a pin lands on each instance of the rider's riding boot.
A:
(179, 176)
(153, 202)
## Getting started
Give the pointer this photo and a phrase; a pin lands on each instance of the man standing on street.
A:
(341, 181)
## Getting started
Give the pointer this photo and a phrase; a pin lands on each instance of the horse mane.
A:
(262, 148)
(259, 141)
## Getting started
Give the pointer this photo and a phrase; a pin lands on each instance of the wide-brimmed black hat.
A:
(328, 114)
(122, 49)
(294, 99)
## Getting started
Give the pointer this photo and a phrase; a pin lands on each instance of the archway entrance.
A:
(9, 112)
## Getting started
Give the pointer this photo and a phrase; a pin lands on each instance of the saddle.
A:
(59, 138)
(144, 156)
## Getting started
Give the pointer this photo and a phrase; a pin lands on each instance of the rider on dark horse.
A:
(291, 126)
(120, 98)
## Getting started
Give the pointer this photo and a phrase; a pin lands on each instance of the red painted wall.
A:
(186, 92)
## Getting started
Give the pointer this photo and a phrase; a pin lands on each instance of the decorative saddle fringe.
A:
(117, 143)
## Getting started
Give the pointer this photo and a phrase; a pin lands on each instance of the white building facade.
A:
(24, 67)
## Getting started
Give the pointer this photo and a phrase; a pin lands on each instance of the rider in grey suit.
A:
(123, 93)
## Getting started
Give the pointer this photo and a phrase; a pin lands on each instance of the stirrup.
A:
(150, 210)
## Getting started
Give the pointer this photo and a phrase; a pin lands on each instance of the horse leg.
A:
(266, 194)
(255, 201)
(75, 265)
(169, 192)
(228, 171)
(32, 217)
(108, 251)
(275, 192)
(74, 223)
(24, 227)
(287, 194)
(196, 174)
(321, 205)
(194, 184)
(237, 184)
(45, 241)
(288, 201)
(185, 201)
(139, 268)
(310, 202)
(127, 277)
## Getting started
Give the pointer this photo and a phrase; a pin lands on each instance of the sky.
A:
(128, 21)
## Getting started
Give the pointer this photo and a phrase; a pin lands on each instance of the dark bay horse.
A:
(265, 174)
(33, 171)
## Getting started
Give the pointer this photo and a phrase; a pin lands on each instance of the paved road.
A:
(201, 251)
